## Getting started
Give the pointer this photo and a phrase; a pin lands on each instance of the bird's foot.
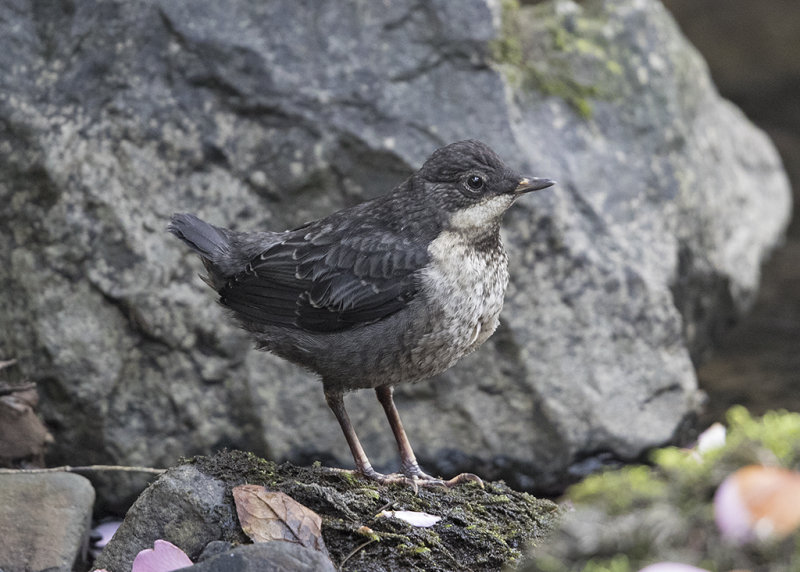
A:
(423, 479)
(413, 479)
(381, 478)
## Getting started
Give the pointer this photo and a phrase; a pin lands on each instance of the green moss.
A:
(618, 563)
(507, 48)
(422, 551)
(621, 490)
(773, 439)
(239, 466)
(481, 528)
(350, 478)
(614, 67)
(628, 518)
(370, 493)
(560, 54)
(778, 431)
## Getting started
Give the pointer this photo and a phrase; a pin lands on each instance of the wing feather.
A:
(324, 279)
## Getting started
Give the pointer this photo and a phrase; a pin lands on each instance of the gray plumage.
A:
(392, 290)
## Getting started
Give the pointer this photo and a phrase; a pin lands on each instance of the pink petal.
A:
(163, 557)
(672, 567)
(758, 502)
(106, 531)
(730, 512)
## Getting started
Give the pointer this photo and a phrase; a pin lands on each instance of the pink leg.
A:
(408, 460)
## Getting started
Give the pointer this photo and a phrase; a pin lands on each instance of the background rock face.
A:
(752, 52)
(115, 115)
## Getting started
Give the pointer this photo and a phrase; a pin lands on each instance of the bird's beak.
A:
(528, 184)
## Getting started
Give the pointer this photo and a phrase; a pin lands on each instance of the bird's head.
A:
(472, 187)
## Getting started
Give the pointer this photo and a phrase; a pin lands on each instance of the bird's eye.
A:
(474, 182)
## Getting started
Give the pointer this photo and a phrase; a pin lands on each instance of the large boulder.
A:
(113, 115)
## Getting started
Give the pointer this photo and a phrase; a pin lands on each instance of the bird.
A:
(393, 290)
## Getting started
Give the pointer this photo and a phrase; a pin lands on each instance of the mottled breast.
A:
(464, 288)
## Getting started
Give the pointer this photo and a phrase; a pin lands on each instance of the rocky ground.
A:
(192, 506)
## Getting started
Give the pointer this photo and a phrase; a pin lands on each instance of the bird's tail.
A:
(213, 244)
(204, 238)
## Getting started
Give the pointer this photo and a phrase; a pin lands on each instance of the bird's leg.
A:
(408, 460)
(363, 466)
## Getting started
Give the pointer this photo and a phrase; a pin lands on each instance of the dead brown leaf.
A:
(266, 516)
(23, 436)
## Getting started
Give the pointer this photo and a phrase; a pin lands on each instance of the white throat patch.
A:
(483, 213)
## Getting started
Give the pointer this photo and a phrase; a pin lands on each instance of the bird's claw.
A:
(415, 478)
(464, 478)
(418, 478)
(422, 478)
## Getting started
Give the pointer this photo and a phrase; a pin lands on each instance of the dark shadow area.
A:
(753, 52)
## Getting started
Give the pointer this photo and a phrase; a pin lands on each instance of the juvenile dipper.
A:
(393, 290)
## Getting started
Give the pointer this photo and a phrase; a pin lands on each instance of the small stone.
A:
(276, 556)
(44, 520)
(184, 507)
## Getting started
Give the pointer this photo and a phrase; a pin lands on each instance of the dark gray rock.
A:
(267, 557)
(184, 506)
(213, 548)
(264, 115)
(44, 521)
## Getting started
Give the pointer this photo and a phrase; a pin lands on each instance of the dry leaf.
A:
(23, 436)
(267, 516)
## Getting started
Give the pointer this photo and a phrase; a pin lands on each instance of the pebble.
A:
(44, 521)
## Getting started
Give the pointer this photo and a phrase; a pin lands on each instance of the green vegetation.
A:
(638, 515)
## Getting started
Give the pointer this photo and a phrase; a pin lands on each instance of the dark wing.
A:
(326, 279)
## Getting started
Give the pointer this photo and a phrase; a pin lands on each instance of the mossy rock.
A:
(481, 528)
(561, 50)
